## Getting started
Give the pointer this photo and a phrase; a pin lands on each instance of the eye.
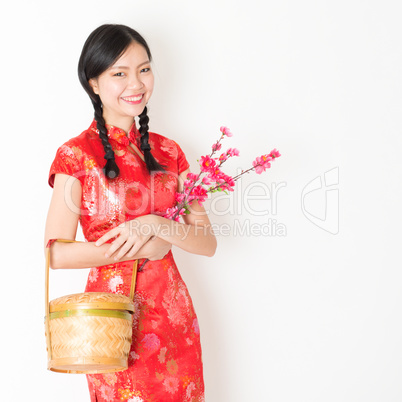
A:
(145, 70)
(120, 74)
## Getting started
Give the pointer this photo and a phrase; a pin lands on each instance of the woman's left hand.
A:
(131, 236)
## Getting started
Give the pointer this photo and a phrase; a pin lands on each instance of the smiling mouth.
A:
(135, 99)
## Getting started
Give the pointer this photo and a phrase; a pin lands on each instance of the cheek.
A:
(112, 89)
(150, 84)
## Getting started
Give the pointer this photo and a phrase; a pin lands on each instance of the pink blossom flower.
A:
(226, 182)
(170, 212)
(206, 180)
(177, 215)
(261, 163)
(216, 147)
(179, 197)
(188, 183)
(230, 181)
(174, 213)
(191, 176)
(227, 187)
(207, 163)
(214, 174)
(223, 157)
(233, 152)
(274, 153)
(226, 131)
(258, 168)
(199, 193)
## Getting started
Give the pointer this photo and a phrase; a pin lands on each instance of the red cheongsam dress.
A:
(165, 357)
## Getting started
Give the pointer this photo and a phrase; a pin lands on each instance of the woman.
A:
(119, 205)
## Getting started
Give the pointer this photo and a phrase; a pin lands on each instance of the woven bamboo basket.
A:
(88, 333)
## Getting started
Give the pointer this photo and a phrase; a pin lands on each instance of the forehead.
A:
(133, 56)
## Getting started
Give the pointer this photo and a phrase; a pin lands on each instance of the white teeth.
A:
(133, 98)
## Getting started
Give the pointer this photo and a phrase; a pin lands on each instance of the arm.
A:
(62, 223)
(194, 235)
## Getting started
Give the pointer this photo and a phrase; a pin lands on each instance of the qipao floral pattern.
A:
(165, 361)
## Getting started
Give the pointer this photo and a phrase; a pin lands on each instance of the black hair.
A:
(101, 49)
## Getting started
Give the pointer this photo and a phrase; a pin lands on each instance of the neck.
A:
(124, 123)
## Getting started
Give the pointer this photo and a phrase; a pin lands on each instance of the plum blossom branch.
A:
(211, 178)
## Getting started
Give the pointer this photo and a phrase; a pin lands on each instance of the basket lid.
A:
(92, 300)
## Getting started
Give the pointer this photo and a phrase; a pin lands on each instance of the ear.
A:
(93, 82)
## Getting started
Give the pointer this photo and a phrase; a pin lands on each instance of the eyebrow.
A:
(139, 65)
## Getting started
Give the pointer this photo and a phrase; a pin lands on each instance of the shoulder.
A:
(72, 156)
(165, 145)
(168, 153)
(83, 147)
(80, 144)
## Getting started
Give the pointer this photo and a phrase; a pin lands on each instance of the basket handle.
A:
(47, 312)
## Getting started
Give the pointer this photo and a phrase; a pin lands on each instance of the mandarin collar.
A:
(119, 135)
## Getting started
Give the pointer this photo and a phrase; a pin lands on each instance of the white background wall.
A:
(310, 311)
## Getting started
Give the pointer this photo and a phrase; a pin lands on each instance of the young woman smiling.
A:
(119, 204)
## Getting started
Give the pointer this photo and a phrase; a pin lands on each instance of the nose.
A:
(135, 82)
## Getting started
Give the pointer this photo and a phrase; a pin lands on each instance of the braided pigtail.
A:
(111, 169)
(152, 164)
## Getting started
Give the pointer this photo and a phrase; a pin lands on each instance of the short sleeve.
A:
(65, 162)
(182, 163)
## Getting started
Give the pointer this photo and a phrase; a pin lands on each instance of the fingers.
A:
(107, 236)
(126, 246)
(128, 239)
(134, 250)
(125, 249)
(115, 246)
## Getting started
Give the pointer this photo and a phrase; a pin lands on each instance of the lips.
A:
(133, 99)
